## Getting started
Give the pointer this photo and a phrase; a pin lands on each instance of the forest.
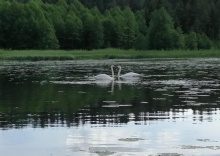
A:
(99, 24)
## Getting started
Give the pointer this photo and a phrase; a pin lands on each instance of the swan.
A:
(129, 75)
(105, 76)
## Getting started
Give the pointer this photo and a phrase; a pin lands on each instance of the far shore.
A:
(38, 55)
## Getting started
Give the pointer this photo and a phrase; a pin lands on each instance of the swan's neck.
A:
(112, 73)
(119, 72)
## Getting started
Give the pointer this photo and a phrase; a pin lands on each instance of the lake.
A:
(57, 108)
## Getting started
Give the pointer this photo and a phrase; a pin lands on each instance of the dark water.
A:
(58, 109)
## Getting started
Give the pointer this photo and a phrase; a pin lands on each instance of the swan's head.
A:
(119, 67)
(112, 66)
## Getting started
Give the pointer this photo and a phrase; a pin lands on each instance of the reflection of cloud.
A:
(167, 137)
(105, 138)
(134, 140)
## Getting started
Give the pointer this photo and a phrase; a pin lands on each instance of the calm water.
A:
(56, 108)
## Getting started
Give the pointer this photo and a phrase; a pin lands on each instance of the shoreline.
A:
(43, 55)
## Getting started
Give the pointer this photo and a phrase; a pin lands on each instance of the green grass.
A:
(36, 55)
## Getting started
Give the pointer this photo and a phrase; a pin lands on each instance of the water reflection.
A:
(63, 94)
(172, 100)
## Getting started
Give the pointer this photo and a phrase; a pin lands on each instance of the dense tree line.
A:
(95, 24)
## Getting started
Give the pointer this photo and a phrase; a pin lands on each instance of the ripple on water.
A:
(169, 154)
(103, 152)
(188, 147)
(206, 140)
(181, 84)
(130, 139)
(117, 105)
(144, 102)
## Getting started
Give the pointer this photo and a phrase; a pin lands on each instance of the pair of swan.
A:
(107, 77)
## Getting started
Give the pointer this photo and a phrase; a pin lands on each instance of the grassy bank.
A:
(36, 55)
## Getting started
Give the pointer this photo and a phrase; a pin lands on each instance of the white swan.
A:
(105, 76)
(129, 75)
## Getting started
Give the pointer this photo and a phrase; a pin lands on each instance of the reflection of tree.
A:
(43, 105)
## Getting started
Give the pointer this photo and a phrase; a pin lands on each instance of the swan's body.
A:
(105, 76)
(129, 75)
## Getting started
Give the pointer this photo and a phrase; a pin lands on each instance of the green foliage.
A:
(141, 22)
(178, 41)
(73, 32)
(97, 34)
(129, 29)
(93, 32)
(161, 32)
(141, 42)
(46, 38)
(203, 41)
(95, 24)
(38, 55)
(27, 28)
(216, 44)
(95, 12)
(191, 41)
(110, 35)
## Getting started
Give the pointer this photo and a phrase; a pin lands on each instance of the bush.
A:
(178, 41)
(203, 41)
(191, 41)
(141, 42)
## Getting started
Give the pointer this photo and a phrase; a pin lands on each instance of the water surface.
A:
(57, 108)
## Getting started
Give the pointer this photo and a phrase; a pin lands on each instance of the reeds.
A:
(37, 55)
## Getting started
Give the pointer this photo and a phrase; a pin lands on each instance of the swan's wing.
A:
(103, 77)
(130, 74)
